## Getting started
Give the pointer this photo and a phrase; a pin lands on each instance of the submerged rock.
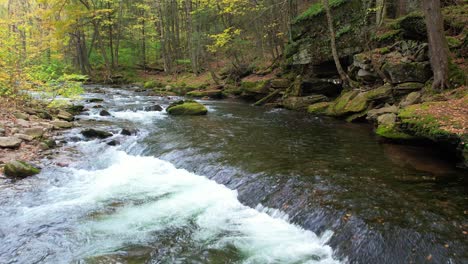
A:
(128, 131)
(94, 133)
(187, 107)
(104, 113)
(20, 169)
(95, 100)
(156, 108)
(10, 142)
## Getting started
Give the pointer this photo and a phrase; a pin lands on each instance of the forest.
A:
(233, 131)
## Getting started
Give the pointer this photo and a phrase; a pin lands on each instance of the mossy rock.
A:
(20, 169)
(392, 132)
(187, 107)
(318, 108)
(254, 87)
(403, 72)
(152, 84)
(301, 103)
(214, 94)
(412, 26)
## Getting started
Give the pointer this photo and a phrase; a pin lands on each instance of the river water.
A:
(240, 185)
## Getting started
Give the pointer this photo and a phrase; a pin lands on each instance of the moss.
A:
(388, 36)
(391, 132)
(152, 84)
(317, 9)
(456, 75)
(208, 93)
(424, 125)
(318, 108)
(187, 108)
(379, 93)
(253, 87)
(20, 169)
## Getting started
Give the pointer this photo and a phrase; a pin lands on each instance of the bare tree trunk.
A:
(438, 49)
(343, 76)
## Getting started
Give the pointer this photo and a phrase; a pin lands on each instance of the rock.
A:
(2, 132)
(58, 124)
(43, 146)
(367, 76)
(20, 115)
(374, 113)
(10, 142)
(22, 123)
(362, 61)
(213, 94)
(387, 119)
(20, 169)
(410, 99)
(128, 131)
(104, 113)
(113, 143)
(318, 108)
(43, 114)
(187, 108)
(97, 106)
(405, 88)
(301, 103)
(50, 143)
(94, 133)
(75, 109)
(156, 108)
(64, 115)
(24, 137)
(407, 72)
(280, 83)
(413, 27)
(95, 100)
(35, 132)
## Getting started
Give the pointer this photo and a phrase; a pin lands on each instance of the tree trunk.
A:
(438, 49)
(343, 76)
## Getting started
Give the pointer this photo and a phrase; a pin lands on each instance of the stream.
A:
(240, 185)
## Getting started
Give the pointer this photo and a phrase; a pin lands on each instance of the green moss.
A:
(456, 75)
(209, 93)
(152, 84)
(391, 35)
(423, 125)
(318, 108)
(253, 87)
(391, 132)
(20, 169)
(187, 108)
(381, 92)
(317, 9)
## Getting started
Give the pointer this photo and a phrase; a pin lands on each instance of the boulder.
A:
(64, 115)
(153, 108)
(403, 72)
(318, 108)
(20, 115)
(50, 143)
(374, 113)
(367, 76)
(213, 94)
(35, 132)
(94, 133)
(10, 142)
(59, 124)
(280, 83)
(410, 99)
(43, 114)
(22, 123)
(128, 131)
(75, 109)
(20, 169)
(405, 88)
(187, 107)
(301, 103)
(113, 143)
(387, 119)
(104, 113)
(24, 137)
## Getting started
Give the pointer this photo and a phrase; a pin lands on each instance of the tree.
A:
(343, 76)
(438, 50)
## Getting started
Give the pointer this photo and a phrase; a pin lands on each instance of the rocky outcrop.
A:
(186, 107)
(20, 169)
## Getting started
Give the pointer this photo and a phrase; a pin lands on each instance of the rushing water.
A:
(240, 185)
